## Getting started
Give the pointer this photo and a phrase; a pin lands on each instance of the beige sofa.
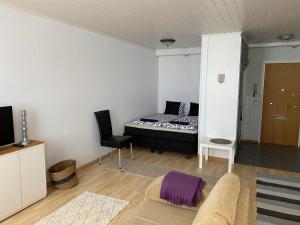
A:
(222, 204)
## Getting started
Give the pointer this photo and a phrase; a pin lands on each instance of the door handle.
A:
(295, 94)
(279, 117)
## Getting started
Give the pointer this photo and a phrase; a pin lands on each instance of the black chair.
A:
(107, 139)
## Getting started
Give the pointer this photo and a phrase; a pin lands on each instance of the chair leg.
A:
(120, 163)
(131, 151)
(100, 155)
(111, 152)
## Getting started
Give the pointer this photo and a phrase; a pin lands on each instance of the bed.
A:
(165, 132)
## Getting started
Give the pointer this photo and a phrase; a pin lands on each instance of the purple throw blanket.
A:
(181, 189)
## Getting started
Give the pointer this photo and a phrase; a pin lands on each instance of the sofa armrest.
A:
(153, 193)
(153, 190)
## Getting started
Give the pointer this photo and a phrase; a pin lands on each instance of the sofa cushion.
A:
(220, 206)
(157, 213)
(153, 193)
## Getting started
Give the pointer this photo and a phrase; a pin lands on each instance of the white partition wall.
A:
(220, 54)
(178, 76)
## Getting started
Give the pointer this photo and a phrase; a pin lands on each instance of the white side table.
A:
(206, 144)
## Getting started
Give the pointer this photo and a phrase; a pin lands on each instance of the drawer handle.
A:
(296, 106)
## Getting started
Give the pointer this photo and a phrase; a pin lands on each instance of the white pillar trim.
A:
(203, 84)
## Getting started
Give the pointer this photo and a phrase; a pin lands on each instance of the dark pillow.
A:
(194, 109)
(172, 108)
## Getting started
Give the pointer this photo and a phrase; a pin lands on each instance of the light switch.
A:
(221, 78)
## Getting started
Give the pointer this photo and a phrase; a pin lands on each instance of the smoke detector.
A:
(167, 41)
(286, 37)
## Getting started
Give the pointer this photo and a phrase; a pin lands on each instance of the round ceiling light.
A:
(167, 41)
(286, 37)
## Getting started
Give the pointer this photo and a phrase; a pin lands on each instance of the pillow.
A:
(181, 109)
(194, 109)
(172, 108)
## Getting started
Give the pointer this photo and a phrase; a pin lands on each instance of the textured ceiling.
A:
(145, 22)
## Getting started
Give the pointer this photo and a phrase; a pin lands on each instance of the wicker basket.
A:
(63, 174)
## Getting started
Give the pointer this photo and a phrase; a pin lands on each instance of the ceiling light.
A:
(167, 41)
(286, 37)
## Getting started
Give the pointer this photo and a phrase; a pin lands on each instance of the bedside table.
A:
(206, 144)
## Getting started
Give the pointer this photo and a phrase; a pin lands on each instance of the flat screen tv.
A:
(7, 135)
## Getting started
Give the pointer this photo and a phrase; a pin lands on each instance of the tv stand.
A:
(22, 177)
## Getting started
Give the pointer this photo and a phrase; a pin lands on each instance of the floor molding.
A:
(249, 141)
(217, 159)
(95, 161)
(87, 165)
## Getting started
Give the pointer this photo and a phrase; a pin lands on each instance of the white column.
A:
(202, 94)
(200, 156)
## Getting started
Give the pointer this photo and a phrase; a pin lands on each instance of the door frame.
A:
(262, 91)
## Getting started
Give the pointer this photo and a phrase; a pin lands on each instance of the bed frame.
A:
(164, 140)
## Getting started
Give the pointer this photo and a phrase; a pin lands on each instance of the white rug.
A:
(86, 209)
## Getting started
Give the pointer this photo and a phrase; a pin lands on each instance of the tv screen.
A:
(7, 135)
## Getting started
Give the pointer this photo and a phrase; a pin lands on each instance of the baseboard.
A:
(95, 161)
(249, 141)
(86, 165)
(217, 159)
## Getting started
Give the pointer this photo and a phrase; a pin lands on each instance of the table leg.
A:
(201, 157)
(233, 155)
(206, 153)
(229, 161)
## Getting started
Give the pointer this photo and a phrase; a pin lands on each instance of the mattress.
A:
(167, 122)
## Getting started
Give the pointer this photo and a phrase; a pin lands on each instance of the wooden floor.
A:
(131, 187)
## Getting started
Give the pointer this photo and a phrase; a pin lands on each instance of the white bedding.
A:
(163, 123)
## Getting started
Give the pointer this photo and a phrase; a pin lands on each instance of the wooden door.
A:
(281, 104)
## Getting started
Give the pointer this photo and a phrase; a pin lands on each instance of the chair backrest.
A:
(104, 124)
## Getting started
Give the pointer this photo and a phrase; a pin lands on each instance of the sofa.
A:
(222, 204)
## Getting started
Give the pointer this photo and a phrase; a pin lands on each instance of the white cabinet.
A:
(10, 189)
(22, 177)
(33, 179)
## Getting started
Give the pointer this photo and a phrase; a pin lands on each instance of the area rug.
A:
(278, 200)
(153, 171)
(86, 209)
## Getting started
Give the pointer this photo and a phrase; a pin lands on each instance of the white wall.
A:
(221, 53)
(254, 74)
(61, 74)
(178, 80)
